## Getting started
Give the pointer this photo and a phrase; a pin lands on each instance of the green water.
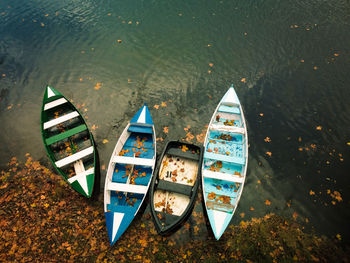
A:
(289, 62)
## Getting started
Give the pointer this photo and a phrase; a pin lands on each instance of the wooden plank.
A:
(233, 129)
(79, 175)
(222, 176)
(61, 119)
(133, 160)
(130, 188)
(54, 103)
(228, 208)
(224, 158)
(174, 187)
(187, 154)
(74, 157)
(66, 134)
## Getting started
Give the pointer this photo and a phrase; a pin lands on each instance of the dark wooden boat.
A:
(175, 184)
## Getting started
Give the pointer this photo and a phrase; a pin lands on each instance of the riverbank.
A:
(43, 219)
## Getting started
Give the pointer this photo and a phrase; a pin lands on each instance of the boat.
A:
(175, 185)
(129, 173)
(225, 162)
(68, 142)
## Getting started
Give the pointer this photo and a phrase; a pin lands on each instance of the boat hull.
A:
(129, 173)
(175, 185)
(225, 162)
(68, 142)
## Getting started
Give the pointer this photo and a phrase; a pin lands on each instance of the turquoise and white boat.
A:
(225, 162)
(129, 173)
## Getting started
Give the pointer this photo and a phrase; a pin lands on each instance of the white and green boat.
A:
(68, 142)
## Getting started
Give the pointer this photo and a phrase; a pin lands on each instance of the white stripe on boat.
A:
(133, 160)
(74, 157)
(117, 219)
(54, 103)
(219, 219)
(50, 93)
(230, 98)
(61, 119)
(227, 128)
(83, 183)
(142, 118)
(130, 188)
(222, 176)
(80, 175)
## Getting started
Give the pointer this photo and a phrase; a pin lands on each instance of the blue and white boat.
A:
(129, 173)
(225, 162)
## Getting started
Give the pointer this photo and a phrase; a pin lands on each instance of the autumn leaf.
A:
(156, 106)
(267, 202)
(211, 64)
(269, 153)
(267, 139)
(105, 141)
(244, 80)
(251, 208)
(338, 236)
(312, 192)
(166, 129)
(261, 114)
(163, 104)
(98, 85)
(242, 215)
(319, 128)
(295, 216)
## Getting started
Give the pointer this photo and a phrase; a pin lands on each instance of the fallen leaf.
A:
(244, 80)
(295, 216)
(163, 104)
(104, 141)
(312, 192)
(267, 202)
(166, 129)
(267, 139)
(211, 64)
(98, 85)
(319, 128)
(269, 153)
(156, 106)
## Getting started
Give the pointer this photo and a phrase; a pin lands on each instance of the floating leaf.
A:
(267, 139)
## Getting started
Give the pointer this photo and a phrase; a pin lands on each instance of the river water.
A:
(288, 60)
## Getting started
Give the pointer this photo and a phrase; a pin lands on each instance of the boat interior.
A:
(137, 145)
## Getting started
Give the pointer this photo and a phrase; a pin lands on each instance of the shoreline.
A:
(43, 219)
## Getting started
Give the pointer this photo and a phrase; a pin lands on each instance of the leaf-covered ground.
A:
(42, 219)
